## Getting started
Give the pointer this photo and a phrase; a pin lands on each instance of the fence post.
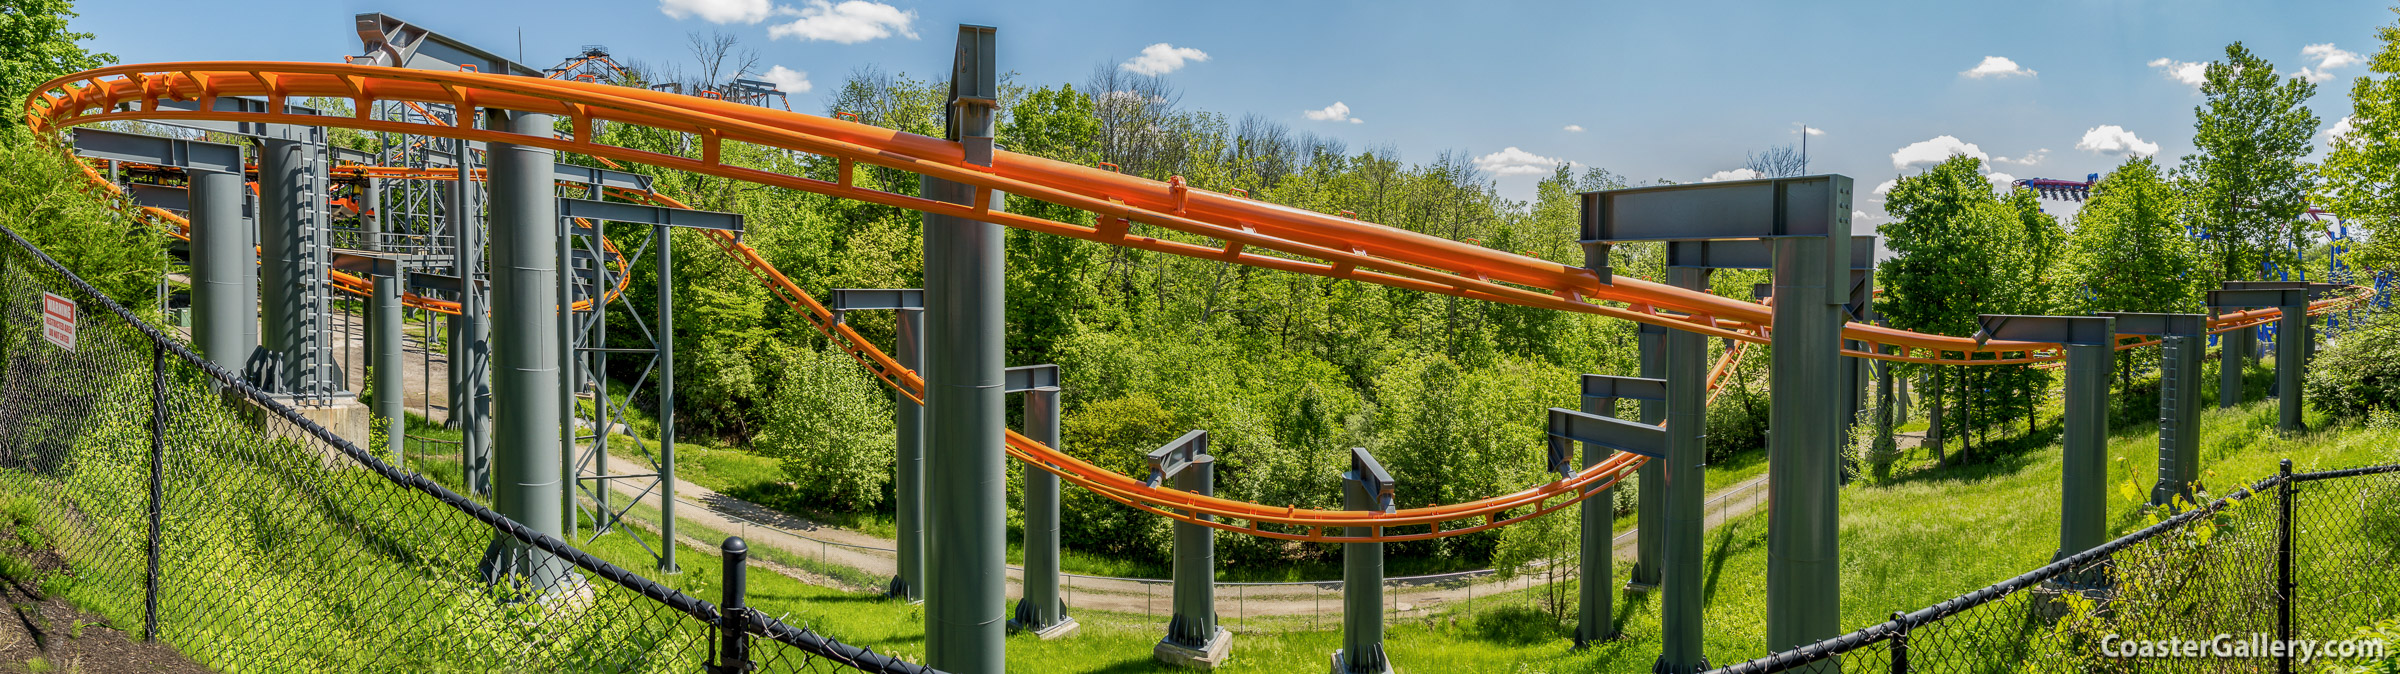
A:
(158, 453)
(1900, 644)
(2283, 566)
(733, 654)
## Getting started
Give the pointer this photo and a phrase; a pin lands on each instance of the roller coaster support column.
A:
(527, 483)
(282, 224)
(1366, 487)
(470, 329)
(908, 483)
(2234, 346)
(1193, 637)
(1806, 221)
(1042, 610)
(1685, 470)
(1650, 503)
(965, 494)
(1803, 508)
(224, 265)
(2183, 338)
(2291, 336)
(2090, 343)
(1602, 435)
(384, 324)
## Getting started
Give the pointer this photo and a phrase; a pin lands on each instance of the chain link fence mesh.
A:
(282, 547)
(2216, 569)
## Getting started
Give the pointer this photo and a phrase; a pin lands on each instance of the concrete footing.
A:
(1065, 627)
(343, 416)
(1341, 665)
(1210, 655)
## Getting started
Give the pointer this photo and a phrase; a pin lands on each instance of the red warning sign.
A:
(58, 321)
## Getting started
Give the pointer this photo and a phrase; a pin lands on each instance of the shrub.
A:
(831, 426)
(2360, 372)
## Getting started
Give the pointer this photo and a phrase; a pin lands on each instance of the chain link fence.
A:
(171, 496)
(2309, 557)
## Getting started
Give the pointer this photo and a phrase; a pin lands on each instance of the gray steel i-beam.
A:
(527, 483)
(908, 462)
(1194, 639)
(1684, 471)
(224, 270)
(1043, 610)
(2291, 359)
(1803, 506)
(2232, 348)
(2183, 339)
(1366, 487)
(966, 500)
(665, 266)
(2090, 343)
(1650, 503)
(390, 363)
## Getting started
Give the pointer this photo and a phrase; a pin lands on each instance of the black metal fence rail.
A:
(2321, 563)
(226, 522)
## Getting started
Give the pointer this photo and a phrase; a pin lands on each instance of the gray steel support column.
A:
(2291, 358)
(966, 606)
(1594, 614)
(224, 271)
(526, 479)
(1650, 503)
(1683, 474)
(1043, 606)
(666, 397)
(2231, 349)
(1803, 469)
(2083, 480)
(908, 514)
(390, 364)
(2179, 419)
(1194, 625)
(281, 173)
(1366, 487)
(470, 331)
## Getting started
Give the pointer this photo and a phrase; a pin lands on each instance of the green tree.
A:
(2131, 253)
(39, 48)
(2247, 185)
(1546, 548)
(1959, 252)
(2359, 174)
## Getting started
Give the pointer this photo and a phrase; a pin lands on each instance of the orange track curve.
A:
(1308, 242)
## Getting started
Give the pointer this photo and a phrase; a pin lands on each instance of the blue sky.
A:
(1659, 90)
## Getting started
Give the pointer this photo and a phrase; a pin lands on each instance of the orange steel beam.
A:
(1309, 242)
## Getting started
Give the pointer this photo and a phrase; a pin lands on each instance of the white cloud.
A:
(850, 22)
(1733, 174)
(2333, 135)
(2000, 181)
(1574, 128)
(788, 80)
(1336, 113)
(2187, 72)
(1996, 66)
(2113, 139)
(1515, 162)
(2329, 57)
(1885, 187)
(1814, 131)
(1162, 58)
(1934, 151)
(2028, 159)
(718, 11)
(2314, 75)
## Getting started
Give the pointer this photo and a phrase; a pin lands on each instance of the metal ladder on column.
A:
(2171, 373)
(316, 377)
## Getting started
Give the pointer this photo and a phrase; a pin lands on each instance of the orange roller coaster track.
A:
(1244, 231)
